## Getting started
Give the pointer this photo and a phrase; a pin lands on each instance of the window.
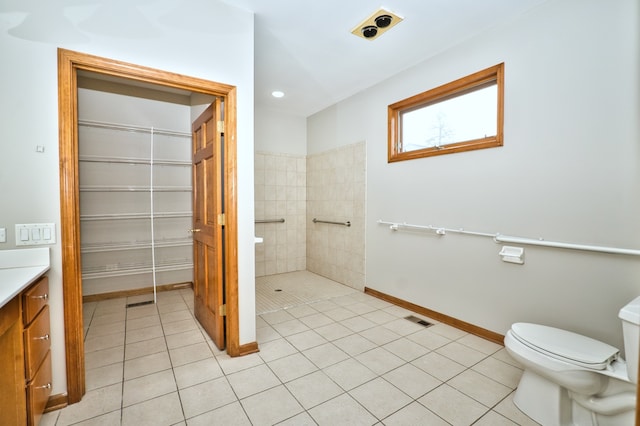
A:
(463, 115)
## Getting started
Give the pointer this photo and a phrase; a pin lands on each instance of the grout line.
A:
(184, 296)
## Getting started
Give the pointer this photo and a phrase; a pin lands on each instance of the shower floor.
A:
(275, 292)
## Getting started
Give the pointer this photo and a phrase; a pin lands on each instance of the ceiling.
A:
(306, 49)
(303, 48)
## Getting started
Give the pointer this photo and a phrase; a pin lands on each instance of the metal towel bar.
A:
(347, 223)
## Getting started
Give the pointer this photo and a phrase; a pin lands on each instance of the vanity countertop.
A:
(19, 269)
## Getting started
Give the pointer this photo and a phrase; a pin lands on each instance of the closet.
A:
(134, 153)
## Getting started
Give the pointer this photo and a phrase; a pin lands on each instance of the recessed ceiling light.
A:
(277, 94)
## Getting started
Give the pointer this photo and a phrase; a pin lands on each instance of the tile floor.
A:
(327, 359)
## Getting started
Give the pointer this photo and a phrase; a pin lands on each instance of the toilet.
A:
(573, 380)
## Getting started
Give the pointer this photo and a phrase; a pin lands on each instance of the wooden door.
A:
(208, 223)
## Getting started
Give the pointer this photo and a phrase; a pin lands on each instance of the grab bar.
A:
(269, 220)
(518, 240)
(499, 238)
(347, 223)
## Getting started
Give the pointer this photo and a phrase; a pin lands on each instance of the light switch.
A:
(3, 235)
(28, 234)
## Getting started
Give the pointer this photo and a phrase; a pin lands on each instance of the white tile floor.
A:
(328, 359)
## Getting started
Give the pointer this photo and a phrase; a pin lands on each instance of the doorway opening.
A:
(69, 65)
(135, 166)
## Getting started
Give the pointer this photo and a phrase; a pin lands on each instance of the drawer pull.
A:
(45, 337)
(47, 386)
(44, 297)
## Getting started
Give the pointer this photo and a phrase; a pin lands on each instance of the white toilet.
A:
(573, 380)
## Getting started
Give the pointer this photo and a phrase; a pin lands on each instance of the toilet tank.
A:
(630, 316)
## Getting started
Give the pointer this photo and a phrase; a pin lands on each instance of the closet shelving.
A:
(98, 188)
(105, 247)
(134, 268)
(129, 216)
(135, 185)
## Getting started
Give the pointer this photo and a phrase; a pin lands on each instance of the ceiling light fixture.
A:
(277, 94)
(376, 24)
(383, 21)
(369, 31)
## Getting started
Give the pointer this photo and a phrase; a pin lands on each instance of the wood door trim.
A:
(249, 348)
(69, 62)
(231, 225)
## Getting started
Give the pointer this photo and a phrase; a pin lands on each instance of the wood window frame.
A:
(494, 74)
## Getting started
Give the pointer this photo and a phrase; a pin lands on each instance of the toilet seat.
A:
(565, 345)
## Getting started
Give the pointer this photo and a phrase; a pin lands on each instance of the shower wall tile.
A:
(330, 186)
(336, 191)
(280, 192)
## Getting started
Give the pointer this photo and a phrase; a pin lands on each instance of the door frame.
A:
(69, 63)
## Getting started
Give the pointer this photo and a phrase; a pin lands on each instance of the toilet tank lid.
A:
(566, 345)
(631, 311)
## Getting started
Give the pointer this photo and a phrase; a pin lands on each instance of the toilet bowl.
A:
(573, 380)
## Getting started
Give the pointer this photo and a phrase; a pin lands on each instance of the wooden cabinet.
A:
(12, 395)
(25, 356)
(37, 348)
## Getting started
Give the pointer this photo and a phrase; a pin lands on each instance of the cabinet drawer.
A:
(36, 342)
(34, 299)
(38, 391)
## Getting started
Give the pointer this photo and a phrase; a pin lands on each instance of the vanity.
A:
(25, 355)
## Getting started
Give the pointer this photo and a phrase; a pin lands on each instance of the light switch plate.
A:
(3, 235)
(32, 234)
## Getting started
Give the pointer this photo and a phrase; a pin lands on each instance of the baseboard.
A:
(134, 292)
(248, 348)
(445, 319)
(56, 402)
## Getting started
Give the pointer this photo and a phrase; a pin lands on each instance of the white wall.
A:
(277, 132)
(569, 171)
(29, 181)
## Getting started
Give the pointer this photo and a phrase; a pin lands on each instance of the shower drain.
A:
(418, 321)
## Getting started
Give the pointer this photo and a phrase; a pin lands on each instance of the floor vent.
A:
(133, 305)
(418, 321)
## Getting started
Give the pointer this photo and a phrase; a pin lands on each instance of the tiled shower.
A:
(280, 193)
(328, 186)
